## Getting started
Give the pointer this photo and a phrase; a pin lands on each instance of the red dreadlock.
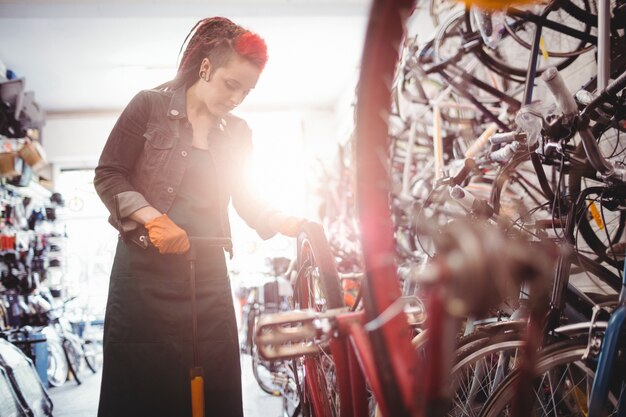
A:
(217, 38)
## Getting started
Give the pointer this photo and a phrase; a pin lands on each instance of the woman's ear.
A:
(205, 68)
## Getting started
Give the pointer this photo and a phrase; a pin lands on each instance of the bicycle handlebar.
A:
(566, 103)
(507, 137)
(608, 94)
(506, 153)
(564, 99)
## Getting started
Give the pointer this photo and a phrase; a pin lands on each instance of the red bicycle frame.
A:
(356, 366)
(396, 370)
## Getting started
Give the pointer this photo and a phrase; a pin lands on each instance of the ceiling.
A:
(94, 55)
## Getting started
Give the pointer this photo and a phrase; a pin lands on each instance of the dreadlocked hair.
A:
(216, 38)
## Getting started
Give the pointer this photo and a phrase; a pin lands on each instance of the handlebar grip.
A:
(563, 97)
(506, 137)
(504, 154)
(565, 102)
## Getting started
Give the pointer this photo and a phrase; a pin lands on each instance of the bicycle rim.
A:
(509, 50)
(73, 360)
(555, 45)
(600, 228)
(91, 353)
(561, 385)
(263, 374)
(481, 366)
(57, 365)
(318, 288)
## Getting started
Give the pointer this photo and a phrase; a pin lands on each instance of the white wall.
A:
(76, 140)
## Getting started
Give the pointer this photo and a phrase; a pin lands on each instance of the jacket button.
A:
(170, 190)
(174, 112)
(184, 153)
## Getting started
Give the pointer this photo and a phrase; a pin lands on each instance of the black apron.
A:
(147, 331)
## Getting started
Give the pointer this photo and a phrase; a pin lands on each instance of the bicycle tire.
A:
(90, 353)
(73, 360)
(57, 364)
(502, 67)
(586, 16)
(257, 362)
(579, 49)
(314, 251)
(258, 365)
(483, 359)
(585, 228)
(561, 362)
(292, 390)
(318, 287)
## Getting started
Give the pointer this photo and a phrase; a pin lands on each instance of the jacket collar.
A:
(178, 104)
(178, 107)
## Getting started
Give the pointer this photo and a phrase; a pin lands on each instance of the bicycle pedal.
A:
(293, 334)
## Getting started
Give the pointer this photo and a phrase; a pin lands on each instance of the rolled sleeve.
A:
(118, 158)
(129, 202)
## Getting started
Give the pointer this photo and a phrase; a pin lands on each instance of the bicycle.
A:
(371, 349)
(577, 361)
(274, 295)
(68, 352)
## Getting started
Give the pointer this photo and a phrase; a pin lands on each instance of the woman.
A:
(169, 168)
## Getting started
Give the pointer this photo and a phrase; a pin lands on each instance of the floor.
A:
(71, 400)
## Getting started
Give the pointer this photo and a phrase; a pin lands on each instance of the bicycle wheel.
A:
(562, 383)
(73, 354)
(317, 271)
(484, 359)
(91, 352)
(557, 44)
(263, 373)
(292, 389)
(261, 369)
(57, 364)
(602, 224)
(317, 287)
(439, 9)
(510, 57)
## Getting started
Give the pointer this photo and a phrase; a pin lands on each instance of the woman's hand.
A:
(291, 226)
(166, 236)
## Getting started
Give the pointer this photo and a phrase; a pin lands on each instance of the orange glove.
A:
(291, 226)
(166, 236)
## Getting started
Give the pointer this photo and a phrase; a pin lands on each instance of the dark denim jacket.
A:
(145, 157)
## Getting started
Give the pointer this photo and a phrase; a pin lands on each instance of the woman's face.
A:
(229, 85)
